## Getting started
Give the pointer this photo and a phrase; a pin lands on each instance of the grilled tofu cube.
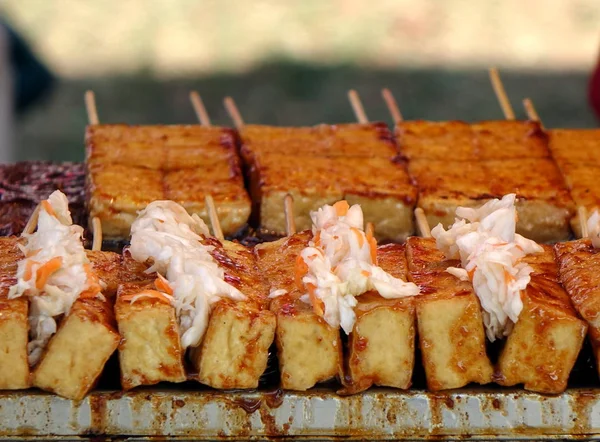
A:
(235, 349)
(77, 353)
(575, 146)
(107, 266)
(579, 271)
(544, 343)
(544, 205)
(449, 319)
(459, 141)
(381, 348)
(14, 322)
(381, 186)
(308, 349)
(150, 349)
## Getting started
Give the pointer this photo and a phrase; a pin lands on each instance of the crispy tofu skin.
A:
(354, 162)
(308, 349)
(381, 348)
(579, 271)
(14, 322)
(114, 269)
(459, 141)
(450, 324)
(77, 353)
(544, 343)
(130, 166)
(544, 205)
(150, 349)
(575, 146)
(235, 348)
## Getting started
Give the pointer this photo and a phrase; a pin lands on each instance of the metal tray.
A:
(378, 414)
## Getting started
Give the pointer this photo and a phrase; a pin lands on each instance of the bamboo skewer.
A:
(530, 109)
(509, 114)
(199, 108)
(392, 105)
(97, 234)
(233, 112)
(32, 222)
(583, 217)
(90, 106)
(288, 208)
(357, 107)
(214, 218)
(422, 223)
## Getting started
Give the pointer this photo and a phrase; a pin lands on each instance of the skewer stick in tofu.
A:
(308, 349)
(235, 349)
(288, 207)
(422, 223)
(233, 112)
(500, 92)
(90, 106)
(357, 107)
(199, 108)
(97, 240)
(392, 105)
(530, 110)
(582, 213)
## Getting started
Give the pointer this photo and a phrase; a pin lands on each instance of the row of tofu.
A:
(437, 166)
(180, 304)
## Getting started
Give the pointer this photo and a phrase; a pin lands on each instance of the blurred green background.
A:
(292, 62)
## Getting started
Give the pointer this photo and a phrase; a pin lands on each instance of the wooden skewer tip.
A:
(583, 218)
(498, 86)
(199, 109)
(90, 105)
(97, 232)
(422, 223)
(392, 105)
(290, 221)
(233, 112)
(214, 218)
(357, 107)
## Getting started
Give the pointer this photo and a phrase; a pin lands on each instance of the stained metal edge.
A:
(377, 414)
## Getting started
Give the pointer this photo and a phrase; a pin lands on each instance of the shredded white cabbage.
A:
(165, 234)
(593, 225)
(54, 252)
(490, 251)
(340, 266)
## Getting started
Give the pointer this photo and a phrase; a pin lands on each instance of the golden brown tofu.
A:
(114, 269)
(381, 348)
(459, 141)
(235, 349)
(131, 166)
(308, 349)
(381, 186)
(150, 349)
(542, 348)
(449, 319)
(544, 205)
(75, 356)
(579, 271)
(575, 146)
(14, 322)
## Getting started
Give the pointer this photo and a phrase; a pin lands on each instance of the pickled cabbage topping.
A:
(54, 273)
(341, 264)
(593, 225)
(165, 235)
(491, 254)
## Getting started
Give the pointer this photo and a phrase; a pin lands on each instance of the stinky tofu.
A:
(575, 146)
(543, 203)
(14, 322)
(544, 343)
(235, 349)
(381, 186)
(381, 347)
(459, 141)
(150, 348)
(308, 349)
(77, 353)
(579, 271)
(449, 320)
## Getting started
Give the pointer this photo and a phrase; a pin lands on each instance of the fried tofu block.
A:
(114, 269)
(459, 141)
(381, 186)
(235, 349)
(77, 353)
(150, 349)
(575, 146)
(579, 271)
(542, 348)
(14, 322)
(381, 348)
(544, 205)
(308, 349)
(449, 319)
(343, 140)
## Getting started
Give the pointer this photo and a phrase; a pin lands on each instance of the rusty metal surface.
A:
(376, 415)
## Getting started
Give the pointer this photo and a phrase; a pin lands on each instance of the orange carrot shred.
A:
(48, 208)
(163, 285)
(301, 269)
(94, 286)
(46, 270)
(317, 304)
(317, 238)
(341, 207)
(471, 273)
(359, 235)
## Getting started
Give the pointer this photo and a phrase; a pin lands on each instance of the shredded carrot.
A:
(365, 273)
(359, 235)
(317, 304)
(163, 285)
(300, 270)
(508, 277)
(317, 238)
(94, 286)
(48, 208)
(471, 273)
(46, 270)
(147, 293)
(373, 245)
(341, 207)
